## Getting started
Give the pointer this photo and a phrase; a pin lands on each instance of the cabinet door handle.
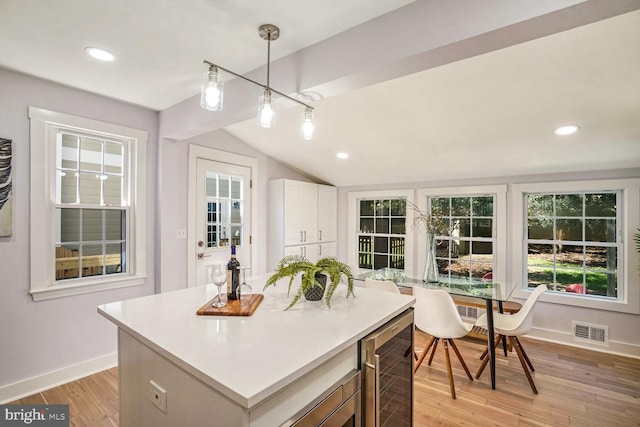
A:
(320, 250)
(305, 236)
(372, 394)
(320, 233)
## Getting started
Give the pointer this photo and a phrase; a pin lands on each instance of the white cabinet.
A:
(300, 213)
(327, 213)
(327, 249)
(314, 251)
(310, 252)
(302, 220)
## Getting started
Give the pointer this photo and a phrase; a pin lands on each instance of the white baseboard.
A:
(564, 338)
(33, 385)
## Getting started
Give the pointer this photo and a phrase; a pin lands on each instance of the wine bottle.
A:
(233, 275)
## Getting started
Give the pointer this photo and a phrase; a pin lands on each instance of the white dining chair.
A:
(383, 285)
(436, 314)
(511, 326)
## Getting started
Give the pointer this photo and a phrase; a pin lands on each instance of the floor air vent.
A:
(465, 311)
(591, 333)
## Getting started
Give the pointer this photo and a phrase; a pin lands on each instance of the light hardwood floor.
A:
(92, 400)
(576, 388)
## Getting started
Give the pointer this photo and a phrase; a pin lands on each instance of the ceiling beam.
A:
(419, 36)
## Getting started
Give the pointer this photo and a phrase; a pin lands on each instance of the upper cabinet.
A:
(302, 220)
(327, 213)
(300, 213)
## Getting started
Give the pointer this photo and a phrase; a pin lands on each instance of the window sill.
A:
(57, 290)
(586, 302)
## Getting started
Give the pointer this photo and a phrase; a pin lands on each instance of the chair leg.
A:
(486, 350)
(524, 353)
(433, 350)
(424, 353)
(481, 368)
(514, 342)
(464, 365)
(451, 384)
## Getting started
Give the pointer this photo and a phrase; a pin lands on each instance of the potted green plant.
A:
(314, 277)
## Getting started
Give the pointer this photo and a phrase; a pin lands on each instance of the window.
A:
(572, 242)
(87, 232)
(224, 210)
(91, 205)
(381, 233)
(577, 238)
(378, 230)
(464, 235)
(470, 226)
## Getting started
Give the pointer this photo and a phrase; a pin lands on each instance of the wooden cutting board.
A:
(233, 307)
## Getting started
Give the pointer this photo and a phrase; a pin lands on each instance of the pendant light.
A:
(308, 127)
(212, 93)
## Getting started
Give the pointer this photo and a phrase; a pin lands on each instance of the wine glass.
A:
(244, 290)
(218, 274)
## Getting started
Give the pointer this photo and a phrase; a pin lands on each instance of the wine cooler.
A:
(387, 368)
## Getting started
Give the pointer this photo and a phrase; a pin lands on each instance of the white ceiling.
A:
(484, 116)
(160, 44)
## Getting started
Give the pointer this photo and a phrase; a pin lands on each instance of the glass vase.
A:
(431, 266)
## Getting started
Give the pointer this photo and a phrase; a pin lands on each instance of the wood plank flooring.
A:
(576, 388)
(92, 400)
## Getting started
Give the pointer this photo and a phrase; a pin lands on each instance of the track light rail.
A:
(257, 83)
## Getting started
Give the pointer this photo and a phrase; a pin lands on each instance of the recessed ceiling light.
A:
(566, 130)
(342, 155)
(100, 54)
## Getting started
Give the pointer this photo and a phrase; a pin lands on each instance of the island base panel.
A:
(191, 402)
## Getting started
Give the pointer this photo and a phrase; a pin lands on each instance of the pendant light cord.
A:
(268, 56)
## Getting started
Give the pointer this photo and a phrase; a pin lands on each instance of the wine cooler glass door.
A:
(387, 359)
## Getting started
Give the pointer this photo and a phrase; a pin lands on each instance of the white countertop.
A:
(250, 358)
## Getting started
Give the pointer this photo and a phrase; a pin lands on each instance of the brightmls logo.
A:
(34, 415)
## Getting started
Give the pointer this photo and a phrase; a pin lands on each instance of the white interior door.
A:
(222, 210)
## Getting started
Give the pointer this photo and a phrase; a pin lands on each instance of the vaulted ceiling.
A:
(412, 91)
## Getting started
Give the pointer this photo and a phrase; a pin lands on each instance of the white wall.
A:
(174, 161)
(552, 321)
(38, 338)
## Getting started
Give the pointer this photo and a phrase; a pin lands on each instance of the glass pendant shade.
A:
(211, 96)
(308, 128)
(266, 115)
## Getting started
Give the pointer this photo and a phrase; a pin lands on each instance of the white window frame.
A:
(499, 192)
(628, 300)
(43, 284)
(353, 198)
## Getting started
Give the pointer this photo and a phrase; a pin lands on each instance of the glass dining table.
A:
(488, 290)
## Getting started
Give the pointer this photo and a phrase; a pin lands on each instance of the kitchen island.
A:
(179, 368)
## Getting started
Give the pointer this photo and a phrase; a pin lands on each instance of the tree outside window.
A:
(571, 242)
(465, 236)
